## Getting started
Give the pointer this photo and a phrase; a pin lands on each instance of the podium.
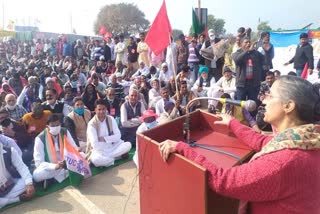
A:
(180, 185)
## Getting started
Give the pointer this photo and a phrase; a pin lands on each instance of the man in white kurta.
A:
(22, 187)
(46, 168)
(105, 138)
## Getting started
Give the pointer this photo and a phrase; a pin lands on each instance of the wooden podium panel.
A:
(180, 185)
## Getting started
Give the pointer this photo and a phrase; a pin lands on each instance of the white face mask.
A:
(54, 130)
(11, 107)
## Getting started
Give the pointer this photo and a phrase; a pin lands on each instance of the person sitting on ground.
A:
(154, 93)
(131, 110)
(17, 132)
(29, 94)
(164, 97)
(203, 83)
(55, 106)
(142, 70)
(15, 178)
(118, 87)
(90, 96)
(15, 111)
(76, 122)
(271, 181)
(99, 86)
(149, 119)
(184, 97)
(35, 121)
(171, 112)
(226, 84)
(113, 103)
(104, 138)
(48, 152)
(165, 74)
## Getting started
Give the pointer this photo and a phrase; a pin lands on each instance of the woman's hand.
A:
(166, 148)
(226, 118)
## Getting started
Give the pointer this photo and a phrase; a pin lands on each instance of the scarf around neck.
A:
(304, 137)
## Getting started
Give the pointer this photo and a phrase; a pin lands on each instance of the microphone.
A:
(249, 105)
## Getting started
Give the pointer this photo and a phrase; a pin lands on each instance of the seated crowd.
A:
(98, 98)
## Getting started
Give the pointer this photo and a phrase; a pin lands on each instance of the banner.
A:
(285, 39)
(75, 162)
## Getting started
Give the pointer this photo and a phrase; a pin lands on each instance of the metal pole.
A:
(199, 11)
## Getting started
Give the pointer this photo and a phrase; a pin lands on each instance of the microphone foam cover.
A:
(250, 105)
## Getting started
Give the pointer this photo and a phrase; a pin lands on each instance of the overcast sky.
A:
(62, 15)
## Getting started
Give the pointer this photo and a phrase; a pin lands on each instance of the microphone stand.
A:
(186, 124)
(186, 130)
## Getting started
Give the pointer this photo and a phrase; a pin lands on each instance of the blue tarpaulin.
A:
(285, 39)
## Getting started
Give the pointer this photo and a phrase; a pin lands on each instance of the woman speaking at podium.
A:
(284, 175)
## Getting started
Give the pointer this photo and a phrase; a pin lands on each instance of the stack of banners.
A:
(77, 165)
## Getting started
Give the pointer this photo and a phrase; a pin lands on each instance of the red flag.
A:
(304, 73)
(102, 30)
(158, 37)
(107, 35)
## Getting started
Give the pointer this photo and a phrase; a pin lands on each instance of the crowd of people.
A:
(96, 95)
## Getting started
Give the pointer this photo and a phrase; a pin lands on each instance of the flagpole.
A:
(174, 68)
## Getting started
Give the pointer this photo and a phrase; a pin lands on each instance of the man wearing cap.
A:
(149, 119)
(226, 84)
(304, 54)
(104, 137)
(165, 74)
(203, 84)
(214, 65)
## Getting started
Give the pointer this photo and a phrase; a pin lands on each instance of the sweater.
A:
(285, 181)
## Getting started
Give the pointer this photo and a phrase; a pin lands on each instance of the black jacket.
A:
(304, 54)
(240, 58)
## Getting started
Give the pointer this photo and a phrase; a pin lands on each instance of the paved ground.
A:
(107, 192)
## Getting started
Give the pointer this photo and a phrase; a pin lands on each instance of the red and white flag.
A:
(74, 160)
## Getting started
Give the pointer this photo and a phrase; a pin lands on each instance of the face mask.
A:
(79, 111)
(11, 107)
(152, 124)
(54, 130)
(74, 84)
